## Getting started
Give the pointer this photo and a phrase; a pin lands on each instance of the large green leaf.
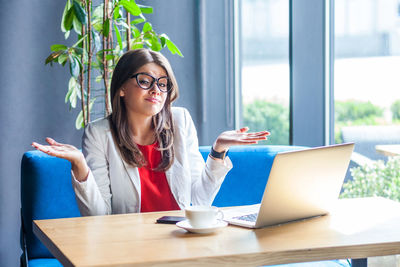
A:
(123, 24)
(77, 25)
(71, 85)
(173, 48)
(131, 7)
(64, 15)
(135, 32)
(110, 56)
(73, 98)
(79, 119)
(58, 47)
(62, 59)
(78, 50)
(69, 17)
(118, 35)
(106, 27)
(53, 56)
(74, 66)
(163, 41)
(138, 21)
(147, 27)
(155, 44)
(117, 13)
(80, 13)
(137, 45)
(146, 9)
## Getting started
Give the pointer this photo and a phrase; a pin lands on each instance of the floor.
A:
(384, 261)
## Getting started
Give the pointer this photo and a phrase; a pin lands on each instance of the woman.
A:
(145, 156)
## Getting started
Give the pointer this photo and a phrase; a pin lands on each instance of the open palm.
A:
(59, 150)
(238, 137)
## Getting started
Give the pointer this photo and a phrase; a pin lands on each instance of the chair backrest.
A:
(46, 193)
(245, 183)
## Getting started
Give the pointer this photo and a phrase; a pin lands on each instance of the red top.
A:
(156, 194)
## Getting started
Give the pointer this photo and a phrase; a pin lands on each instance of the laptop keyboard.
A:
(248, 217)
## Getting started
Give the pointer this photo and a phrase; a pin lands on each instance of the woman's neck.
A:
(142, 130)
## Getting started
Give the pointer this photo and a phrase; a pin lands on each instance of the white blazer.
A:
(113, 187)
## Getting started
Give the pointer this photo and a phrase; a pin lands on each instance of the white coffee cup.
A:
(203, 216)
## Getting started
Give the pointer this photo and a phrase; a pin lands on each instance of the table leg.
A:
(359, 262)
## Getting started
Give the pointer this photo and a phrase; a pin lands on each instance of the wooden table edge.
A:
(54, 250)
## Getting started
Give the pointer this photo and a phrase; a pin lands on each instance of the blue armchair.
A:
(46, 192)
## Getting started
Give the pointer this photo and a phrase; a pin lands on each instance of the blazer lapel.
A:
(133, 174)
(178, 184)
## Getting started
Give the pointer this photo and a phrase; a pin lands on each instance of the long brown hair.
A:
(163, 126)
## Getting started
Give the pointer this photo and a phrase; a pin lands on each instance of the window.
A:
(264, 68)
(367, 80)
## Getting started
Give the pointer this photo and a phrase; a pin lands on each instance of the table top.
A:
(355, 228)
(388, 150)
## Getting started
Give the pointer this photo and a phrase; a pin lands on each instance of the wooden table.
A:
(388, 150)
(356, 228)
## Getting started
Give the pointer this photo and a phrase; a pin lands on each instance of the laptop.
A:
(301, 184)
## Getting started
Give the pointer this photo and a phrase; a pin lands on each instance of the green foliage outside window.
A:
(395, 109)
(376, 179)
(262, 115)
(349, 113)
(356, 111)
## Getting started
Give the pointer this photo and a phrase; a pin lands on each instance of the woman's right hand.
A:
(68, 152)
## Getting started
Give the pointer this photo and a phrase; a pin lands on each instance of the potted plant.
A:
(103, 33)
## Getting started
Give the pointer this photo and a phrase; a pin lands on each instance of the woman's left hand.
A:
(239, 137)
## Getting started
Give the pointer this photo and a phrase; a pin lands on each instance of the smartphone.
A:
(170, 219)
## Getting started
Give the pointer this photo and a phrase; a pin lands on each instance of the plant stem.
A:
(89, 45)
(81, 79)
(105, 62)
(128, 32)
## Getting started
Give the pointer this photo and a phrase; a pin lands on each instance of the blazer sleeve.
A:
(206, 178)
(94, 194)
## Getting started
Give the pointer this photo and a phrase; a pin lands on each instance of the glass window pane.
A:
(265, 78)
(367, 81)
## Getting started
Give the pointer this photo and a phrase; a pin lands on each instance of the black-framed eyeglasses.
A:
(146, 82)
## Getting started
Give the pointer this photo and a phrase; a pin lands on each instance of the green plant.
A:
(356, 111)
(395, 109)
(376, 179)
(103, 34)
(348, 113)
(261, 115)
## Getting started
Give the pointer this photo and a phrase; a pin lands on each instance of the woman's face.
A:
(140, 102)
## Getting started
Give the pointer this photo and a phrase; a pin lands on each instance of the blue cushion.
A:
(46, 193)
(245, 183)
(44, 263)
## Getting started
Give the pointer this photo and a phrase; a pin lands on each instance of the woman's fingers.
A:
(40, 147)
(263, 133)
(258, 138)
(53, 142)
(242, 130)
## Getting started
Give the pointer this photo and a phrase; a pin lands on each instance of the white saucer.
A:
(186, 225)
